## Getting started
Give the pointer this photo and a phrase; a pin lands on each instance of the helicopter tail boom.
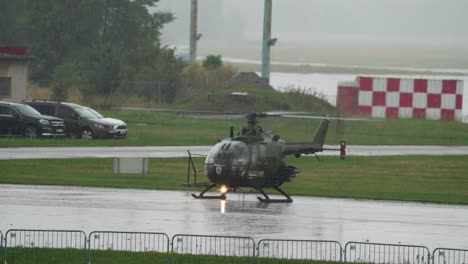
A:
(319, 138)
(298, 148)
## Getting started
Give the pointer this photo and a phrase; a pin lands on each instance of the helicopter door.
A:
(261, 158)
(257, 155)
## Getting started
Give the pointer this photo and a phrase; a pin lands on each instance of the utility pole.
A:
(194, 36)
(267, 41)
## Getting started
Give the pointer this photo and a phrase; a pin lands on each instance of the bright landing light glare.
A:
(223, 189)
(223, 206)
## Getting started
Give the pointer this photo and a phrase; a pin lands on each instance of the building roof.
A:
(14, 53)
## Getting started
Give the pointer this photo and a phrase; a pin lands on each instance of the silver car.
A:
(119, 126)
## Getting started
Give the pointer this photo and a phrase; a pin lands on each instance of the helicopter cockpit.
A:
(236, 152)
(227, 161)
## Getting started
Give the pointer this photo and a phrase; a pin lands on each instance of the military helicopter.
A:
(255, 158)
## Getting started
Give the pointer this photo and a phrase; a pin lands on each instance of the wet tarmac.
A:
(181, 151)
(176, 212)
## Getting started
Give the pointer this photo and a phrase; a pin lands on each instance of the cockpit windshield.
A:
(236, 152)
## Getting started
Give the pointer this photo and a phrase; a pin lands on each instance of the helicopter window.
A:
(242, 154)
(222, 147)
(228, 146)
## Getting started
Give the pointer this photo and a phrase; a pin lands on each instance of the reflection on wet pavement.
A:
(176, 212)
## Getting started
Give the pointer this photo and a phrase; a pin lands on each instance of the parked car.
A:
(79, 120)
(119, 125)
(22, 120)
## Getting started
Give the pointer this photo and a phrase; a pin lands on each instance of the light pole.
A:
(194, 36)
(267, 40)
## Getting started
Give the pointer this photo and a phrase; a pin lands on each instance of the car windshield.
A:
(94, 112)
(27, 110)
(84, 113)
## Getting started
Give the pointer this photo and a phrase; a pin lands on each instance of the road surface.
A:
(176, 212)
(181, 151)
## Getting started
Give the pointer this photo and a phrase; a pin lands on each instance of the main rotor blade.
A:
(182, 111)
(281, 113)
(209, 112)
(234, 115)
(330, 118)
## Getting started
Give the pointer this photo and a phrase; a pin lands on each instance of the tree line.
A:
(96, 42)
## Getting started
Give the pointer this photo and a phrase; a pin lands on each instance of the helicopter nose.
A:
(218, 169)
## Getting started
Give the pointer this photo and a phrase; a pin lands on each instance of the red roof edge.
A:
(14, 50)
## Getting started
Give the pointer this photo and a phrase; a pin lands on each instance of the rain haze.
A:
(433, 32)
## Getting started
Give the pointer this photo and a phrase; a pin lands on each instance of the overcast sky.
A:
(402, 21)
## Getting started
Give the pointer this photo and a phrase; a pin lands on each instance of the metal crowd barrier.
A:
(193, 248)
(386, 253)
(450, 256)
(30, 246)
(128, 246)
(73, 246)
(1, 248)
(317, 250)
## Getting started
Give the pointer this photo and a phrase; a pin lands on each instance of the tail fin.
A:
(319, 138)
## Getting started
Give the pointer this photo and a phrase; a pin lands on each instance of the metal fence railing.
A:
(386, 253)
(73, 246)
(39, 246)
(142, 247)
(450, 256)
(194, 248)
(317, 250)
(1, 248)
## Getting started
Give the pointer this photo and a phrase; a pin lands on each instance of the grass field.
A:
(441, 179)
(156, 129)
(19, 255)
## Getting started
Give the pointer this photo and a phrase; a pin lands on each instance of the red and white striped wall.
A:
(402, 98)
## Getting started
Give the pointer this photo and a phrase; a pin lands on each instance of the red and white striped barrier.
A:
(402, 98)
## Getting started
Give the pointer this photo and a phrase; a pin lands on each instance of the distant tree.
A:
(197, 79)
(108, 43)
(65, 75)
(212, 62)
(194, 79)
(10, 12)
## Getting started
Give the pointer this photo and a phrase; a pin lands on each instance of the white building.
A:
(13, 73)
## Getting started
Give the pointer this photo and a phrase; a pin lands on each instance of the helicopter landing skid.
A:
(267, 199)
(202, 196)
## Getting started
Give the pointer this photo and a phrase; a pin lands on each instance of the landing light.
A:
(223, 189)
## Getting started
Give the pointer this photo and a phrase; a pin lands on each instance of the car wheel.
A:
(31, 132)
(87, 134)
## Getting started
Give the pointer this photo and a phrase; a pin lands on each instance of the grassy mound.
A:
(256, 100)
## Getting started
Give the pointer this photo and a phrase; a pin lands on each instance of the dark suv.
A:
(23, 120)
(80, 121)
